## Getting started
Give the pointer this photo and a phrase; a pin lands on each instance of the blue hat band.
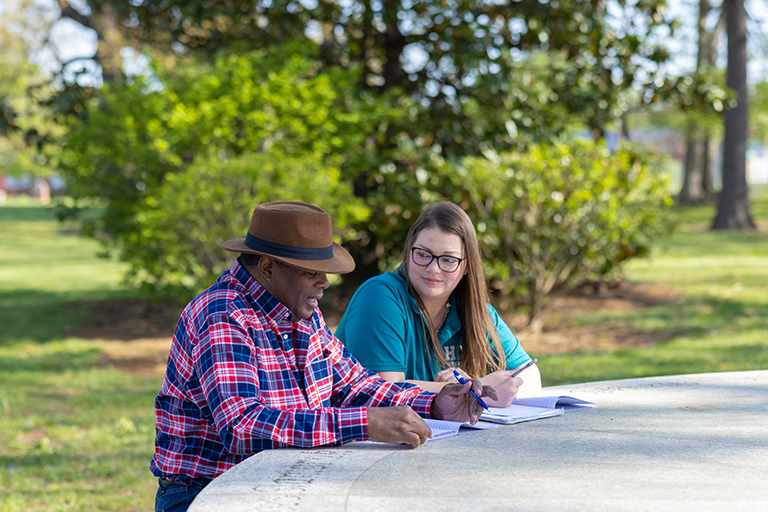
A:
(288, 251)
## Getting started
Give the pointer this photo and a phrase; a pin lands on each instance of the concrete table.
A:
(679, 443)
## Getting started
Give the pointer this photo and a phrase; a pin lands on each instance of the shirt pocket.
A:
(318, 376)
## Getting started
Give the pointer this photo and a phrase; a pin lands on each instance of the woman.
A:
(432, 315)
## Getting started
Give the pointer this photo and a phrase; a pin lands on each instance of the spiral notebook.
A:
(528, 409)
(444, 428)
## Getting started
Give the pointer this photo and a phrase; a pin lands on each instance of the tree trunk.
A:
(110, 37)
(697, 178)
(733, 206)
(708, 56)
(711, 147)
(691, 192)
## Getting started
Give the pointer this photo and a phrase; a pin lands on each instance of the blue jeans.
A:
(174, 497)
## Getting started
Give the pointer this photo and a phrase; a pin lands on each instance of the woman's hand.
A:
(505, 385)
(447, 375)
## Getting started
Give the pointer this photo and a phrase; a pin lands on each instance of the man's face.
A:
(299, 290)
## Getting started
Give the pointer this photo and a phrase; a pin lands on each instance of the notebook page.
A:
(442, 428)
(550, 402)
(518, 413)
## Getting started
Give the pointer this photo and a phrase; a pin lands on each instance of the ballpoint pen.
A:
(462, 381)
(524, 367)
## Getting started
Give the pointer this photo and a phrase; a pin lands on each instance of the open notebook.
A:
(527, 409)
(444, 428)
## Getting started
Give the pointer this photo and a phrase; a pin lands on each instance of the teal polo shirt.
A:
(382, 329)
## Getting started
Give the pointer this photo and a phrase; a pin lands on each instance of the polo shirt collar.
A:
(452, 322)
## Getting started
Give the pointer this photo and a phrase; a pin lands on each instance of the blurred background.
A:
(612, 155)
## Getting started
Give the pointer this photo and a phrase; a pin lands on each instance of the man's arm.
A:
(232, 399)
(453, 402)
(356, 386)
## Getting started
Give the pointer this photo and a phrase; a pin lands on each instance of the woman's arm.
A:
(374, 327)
(531, 382)
(516, 357)
(508, 388)
(433, 387)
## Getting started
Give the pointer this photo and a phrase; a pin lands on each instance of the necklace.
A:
(445, 317)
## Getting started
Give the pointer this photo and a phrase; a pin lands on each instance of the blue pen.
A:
(462, 381)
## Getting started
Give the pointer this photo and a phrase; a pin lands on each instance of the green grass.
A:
(77, 436)
(73, 435)
(720, 321)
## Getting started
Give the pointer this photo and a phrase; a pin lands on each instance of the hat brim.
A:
(341, 263)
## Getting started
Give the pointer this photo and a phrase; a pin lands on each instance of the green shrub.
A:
(130, 137)
(177, 250)
(140, 145)
(560, 213)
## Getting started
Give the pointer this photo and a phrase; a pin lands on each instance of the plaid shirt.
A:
(243, 377)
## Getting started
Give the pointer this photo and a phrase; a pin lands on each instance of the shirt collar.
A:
(452, 322)
(264, 301)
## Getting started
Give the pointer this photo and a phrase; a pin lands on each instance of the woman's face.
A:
(430, 282)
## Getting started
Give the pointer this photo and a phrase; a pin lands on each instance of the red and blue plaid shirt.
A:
(243, 377)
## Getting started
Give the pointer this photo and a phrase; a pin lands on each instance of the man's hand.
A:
(455, 403)
(399, 425)
(505, 385)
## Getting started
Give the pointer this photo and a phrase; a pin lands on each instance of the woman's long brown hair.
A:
(478, 357)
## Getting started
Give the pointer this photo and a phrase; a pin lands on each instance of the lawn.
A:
(74, 435)
(719, 322)
(78, 435)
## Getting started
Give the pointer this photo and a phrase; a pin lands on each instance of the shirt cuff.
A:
(353, 424)
(422, 403)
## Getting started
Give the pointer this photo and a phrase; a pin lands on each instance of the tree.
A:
(111, 38)
(700, 146)
(449, 55)
(27, 133)
(454, 62)
(733, 207)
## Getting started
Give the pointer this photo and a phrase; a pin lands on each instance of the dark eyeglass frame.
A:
(435, 257)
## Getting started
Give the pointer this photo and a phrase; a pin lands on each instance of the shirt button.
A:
(285, 336)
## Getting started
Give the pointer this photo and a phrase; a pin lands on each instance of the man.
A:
(253, 365)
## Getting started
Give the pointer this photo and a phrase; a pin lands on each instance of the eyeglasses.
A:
(446, 263)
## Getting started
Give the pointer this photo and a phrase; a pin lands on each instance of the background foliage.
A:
(177, 250)
(377, 103)
(241, 130)
(562, 213)
(383, 92)
(182, 155)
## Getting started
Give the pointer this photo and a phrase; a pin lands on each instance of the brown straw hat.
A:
(298, 234)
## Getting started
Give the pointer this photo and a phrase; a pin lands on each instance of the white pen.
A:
(524, 367)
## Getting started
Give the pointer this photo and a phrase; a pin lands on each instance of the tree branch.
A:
(67, 11)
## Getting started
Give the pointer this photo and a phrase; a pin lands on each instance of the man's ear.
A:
(266, 266)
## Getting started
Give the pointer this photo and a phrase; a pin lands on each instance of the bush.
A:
(136, 144)
(560, 213)
(177, 250)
